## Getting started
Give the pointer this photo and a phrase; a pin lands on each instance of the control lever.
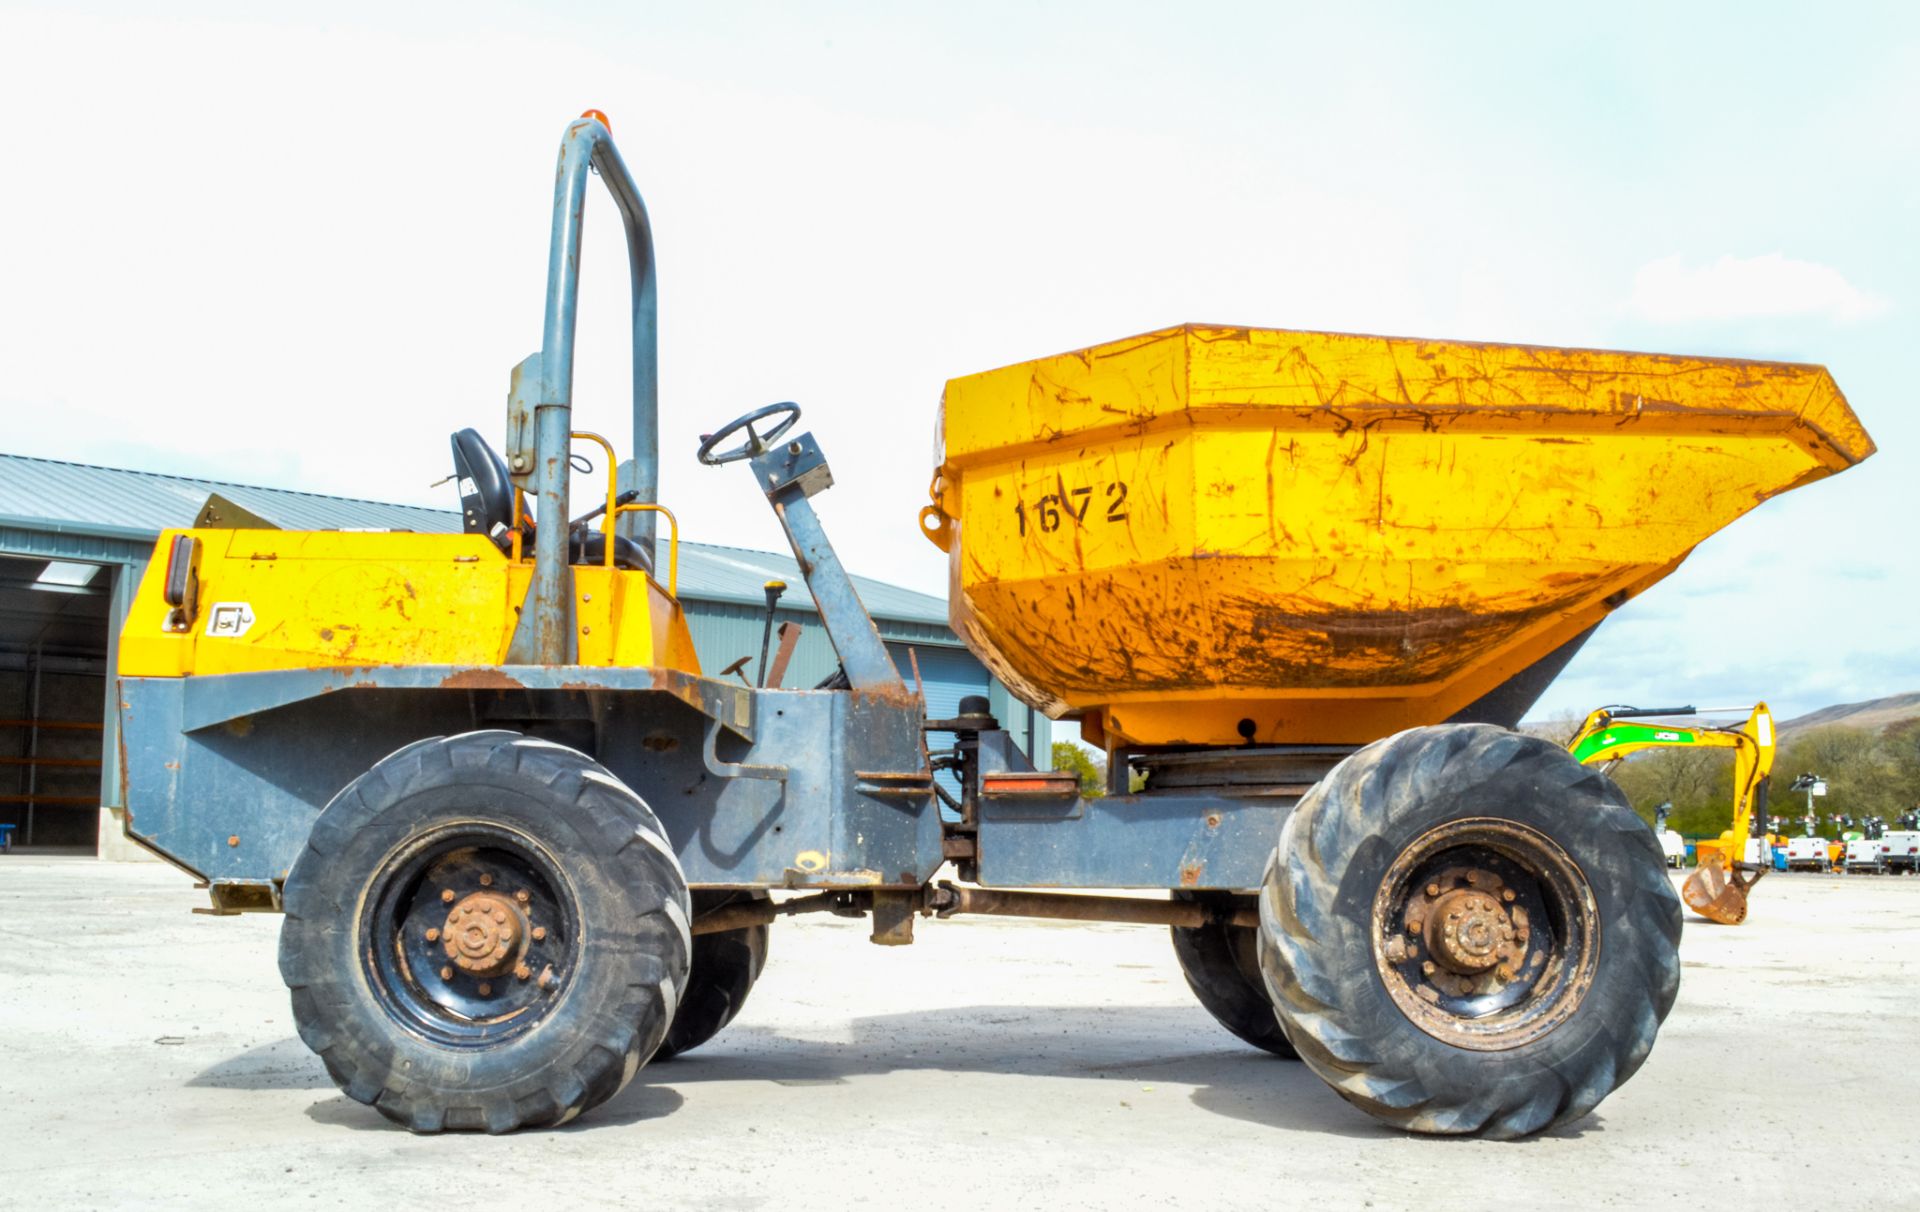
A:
(773, 591)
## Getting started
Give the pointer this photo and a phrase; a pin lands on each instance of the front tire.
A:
(1465, 931)
(485, 931)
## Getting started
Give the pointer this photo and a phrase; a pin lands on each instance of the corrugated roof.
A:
(78, 498)
(736, 574)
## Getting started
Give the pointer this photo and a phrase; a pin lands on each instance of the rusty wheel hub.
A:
(1469, 930)
(485, 934)
(474, 934)
(1486, 933)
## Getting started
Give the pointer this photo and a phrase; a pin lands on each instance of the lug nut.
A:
(1508, 895)
(1415, 926)
(523, 896)
(433, 934)
(446, 896)
(486, 990)
(522, 972)
(1427, 968)
(485, 880)
(539, 932)
(446, 974)
(1473, 877)
(1433, 890)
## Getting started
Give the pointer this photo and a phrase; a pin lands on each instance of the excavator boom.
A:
(1717, 889)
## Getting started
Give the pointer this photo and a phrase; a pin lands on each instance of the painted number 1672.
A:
(1048, 512)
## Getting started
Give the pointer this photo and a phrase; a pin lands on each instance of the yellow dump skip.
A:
(1319, 537)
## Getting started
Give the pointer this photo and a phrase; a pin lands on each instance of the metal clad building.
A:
(74, 540)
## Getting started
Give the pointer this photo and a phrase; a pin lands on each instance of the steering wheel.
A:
(756, 443)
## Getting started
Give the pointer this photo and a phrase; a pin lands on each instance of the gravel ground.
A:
(150, 1060)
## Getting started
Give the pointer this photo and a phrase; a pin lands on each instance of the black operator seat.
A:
(486, 507)
(486, 493)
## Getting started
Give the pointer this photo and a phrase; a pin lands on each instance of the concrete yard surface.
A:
(150, 1060)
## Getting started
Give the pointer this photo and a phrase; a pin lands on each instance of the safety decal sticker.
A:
(229, 619)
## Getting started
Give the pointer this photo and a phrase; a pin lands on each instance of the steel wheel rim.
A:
(449, 970)
(1485, 934)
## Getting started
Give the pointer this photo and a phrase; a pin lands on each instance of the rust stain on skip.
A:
(480, 679)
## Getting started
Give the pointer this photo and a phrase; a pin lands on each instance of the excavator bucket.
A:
(1717, 894)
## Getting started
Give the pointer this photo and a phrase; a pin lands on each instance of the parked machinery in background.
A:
(1672, 845)
(1903, 843)
(1808, 852)
(1900, 851)
(1865, 850)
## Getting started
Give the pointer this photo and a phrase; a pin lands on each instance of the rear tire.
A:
(725, 966)
(1544, 874)
(486, 932)
(1222, 967)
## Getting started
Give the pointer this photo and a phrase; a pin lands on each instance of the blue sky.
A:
(300, 245)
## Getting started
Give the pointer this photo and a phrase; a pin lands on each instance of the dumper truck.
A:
(1298, 587)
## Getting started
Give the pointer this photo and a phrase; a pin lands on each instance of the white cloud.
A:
(1670, 291)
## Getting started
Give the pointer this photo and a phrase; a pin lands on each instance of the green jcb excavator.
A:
(1717, 889)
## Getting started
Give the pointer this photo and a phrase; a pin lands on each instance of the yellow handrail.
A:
(614, 510)
(673, 539)
(519, 514)
(612, 491)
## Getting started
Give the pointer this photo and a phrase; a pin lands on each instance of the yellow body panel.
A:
(328, 599)
(1337, 536)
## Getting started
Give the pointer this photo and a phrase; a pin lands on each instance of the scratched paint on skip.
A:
(1393, 527)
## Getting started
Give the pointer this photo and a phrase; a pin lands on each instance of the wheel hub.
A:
(1485, 933)
(1469, 930)
(484, 934)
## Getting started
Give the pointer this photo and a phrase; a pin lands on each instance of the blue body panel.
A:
(784, 788)
(755, 788)
(1130, 841)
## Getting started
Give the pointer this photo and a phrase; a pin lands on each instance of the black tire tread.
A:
(1302, 963)
(1221, 968)
(611, 818)
(724, 968)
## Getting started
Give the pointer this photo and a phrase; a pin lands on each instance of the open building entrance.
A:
(53, 676)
